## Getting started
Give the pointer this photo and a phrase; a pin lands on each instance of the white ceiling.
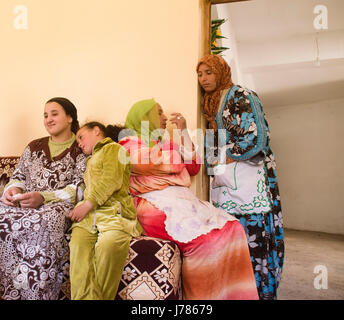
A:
(276, 49)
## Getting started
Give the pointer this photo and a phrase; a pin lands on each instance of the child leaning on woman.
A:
(105, 220)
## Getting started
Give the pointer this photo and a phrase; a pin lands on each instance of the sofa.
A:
(153, 267)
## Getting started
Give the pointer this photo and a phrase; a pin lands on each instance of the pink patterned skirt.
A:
(216, 265)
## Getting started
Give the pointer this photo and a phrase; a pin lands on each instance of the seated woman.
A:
(105, 221)
(42, 191)
(216, 259)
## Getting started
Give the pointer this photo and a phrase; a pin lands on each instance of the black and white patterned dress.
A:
(34, 251)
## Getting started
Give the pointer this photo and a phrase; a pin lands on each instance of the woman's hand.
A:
(7, 197)
(187, 146)
(178, 120)
(80, 212)
(30, 199)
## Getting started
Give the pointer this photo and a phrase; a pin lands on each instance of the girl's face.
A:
(56, 121)
(88, 138)
(163, 118)
(206, 78)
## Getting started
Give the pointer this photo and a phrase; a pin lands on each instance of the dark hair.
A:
(115, 132)
(70, 110)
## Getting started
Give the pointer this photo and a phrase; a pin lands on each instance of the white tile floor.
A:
(308, 257)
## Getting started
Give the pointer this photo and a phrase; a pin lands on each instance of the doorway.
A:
(202, 180)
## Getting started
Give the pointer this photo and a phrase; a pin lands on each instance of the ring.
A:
(179, 117)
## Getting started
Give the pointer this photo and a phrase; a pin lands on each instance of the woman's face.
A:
(56, 121)
(206, 78)
(88, 138)
(163, 118)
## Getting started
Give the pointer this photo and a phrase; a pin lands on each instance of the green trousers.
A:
(96, 263)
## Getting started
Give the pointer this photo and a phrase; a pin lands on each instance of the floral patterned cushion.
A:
(152, 271)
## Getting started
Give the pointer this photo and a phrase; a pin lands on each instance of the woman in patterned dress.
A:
(43, 189)
(216, 260)
(239, 132)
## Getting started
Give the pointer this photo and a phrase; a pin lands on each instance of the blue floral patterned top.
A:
(244, 134)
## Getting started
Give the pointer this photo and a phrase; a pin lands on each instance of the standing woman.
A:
(240, 158)
(43, 189)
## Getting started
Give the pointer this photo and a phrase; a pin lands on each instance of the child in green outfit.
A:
(105, 220)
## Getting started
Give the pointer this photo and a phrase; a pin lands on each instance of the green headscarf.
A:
(138, 115)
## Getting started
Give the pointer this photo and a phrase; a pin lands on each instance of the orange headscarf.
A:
(223, 78)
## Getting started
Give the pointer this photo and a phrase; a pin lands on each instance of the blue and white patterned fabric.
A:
(244, 134)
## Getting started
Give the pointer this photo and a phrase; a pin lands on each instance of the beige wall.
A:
(309, 150)
(103, 55)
